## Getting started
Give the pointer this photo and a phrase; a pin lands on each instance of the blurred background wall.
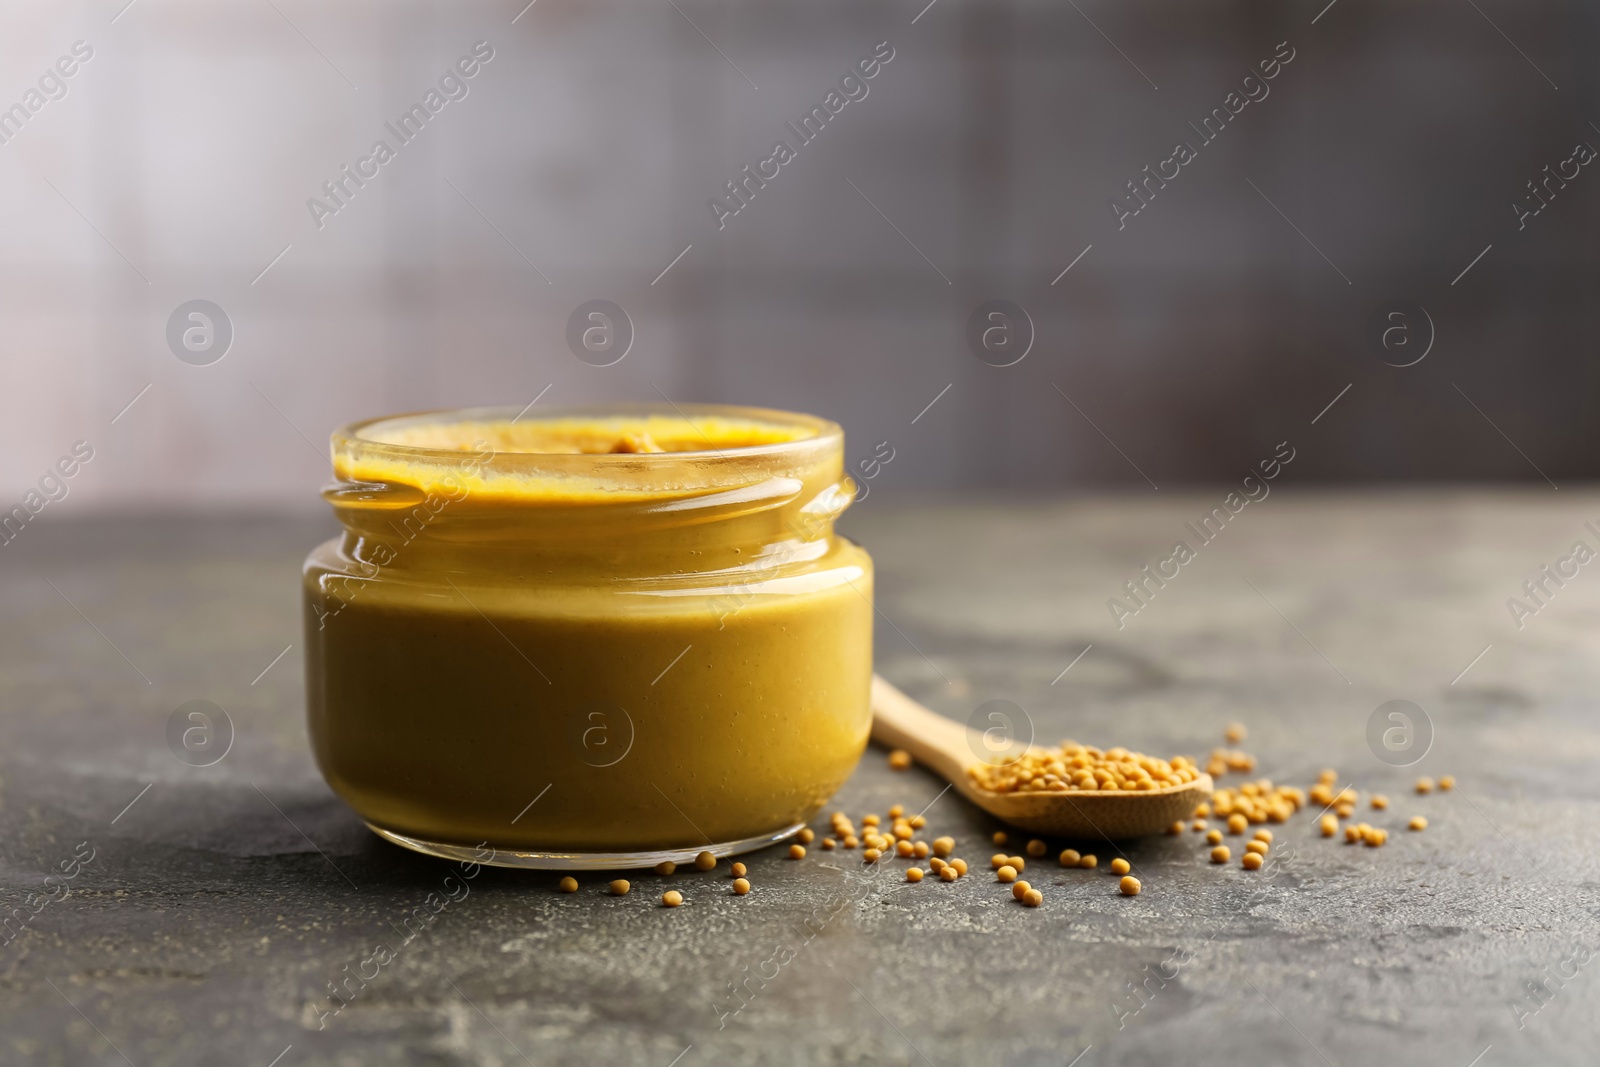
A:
(177, 161)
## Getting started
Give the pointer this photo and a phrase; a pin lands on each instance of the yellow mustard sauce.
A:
(588, 639)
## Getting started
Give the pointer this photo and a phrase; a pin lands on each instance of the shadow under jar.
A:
(596, 638)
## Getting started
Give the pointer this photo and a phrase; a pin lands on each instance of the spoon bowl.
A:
(941, 745)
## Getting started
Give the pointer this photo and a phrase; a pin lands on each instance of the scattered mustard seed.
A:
(997, 860)
(899, 760)
(705, 861)
(851, 841)
(1069, 857)
(958, 865)
(1198, 826)
(829, 844)
(1379, 802)
(1237, 823)
(999, 837)
(913, 874)
(671, 898)
(1033, 898)
(1447, 782)
(666, 867)
(1260, 848)
(936, 865)
(737, 870)
(1424, 785)
(870, 820)
(1328, 776)
(1120, 866)
(947, 874)
(1089, 862)
(568, 885)
(1017, 861)
(920, 849)
(1176, 828)
(1329, 824)
(1263, 835)
(943, 846)
(904, 849)
(871, 855)
(1417, 823)
(1130, 886)
(797, 852)
(1220, 854)
(741, 886)
(1252, 861)
(1214, 837)
(1036, 848)
(620, 887)
(806, 835)
(1235, 733)
(918, 822)
(1007, 873)
(1019, 888)
(1352, 834)
(896, 811)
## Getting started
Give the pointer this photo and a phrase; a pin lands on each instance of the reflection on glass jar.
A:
(596, 638)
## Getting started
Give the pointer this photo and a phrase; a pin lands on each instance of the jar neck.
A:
(773, 523)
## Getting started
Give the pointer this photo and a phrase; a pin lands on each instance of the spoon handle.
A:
(934, 741)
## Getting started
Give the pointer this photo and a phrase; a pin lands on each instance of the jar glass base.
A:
(579, 861)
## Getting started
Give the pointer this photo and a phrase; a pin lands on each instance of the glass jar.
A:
(588, 659)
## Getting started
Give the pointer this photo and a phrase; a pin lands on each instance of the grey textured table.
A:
(217, 908)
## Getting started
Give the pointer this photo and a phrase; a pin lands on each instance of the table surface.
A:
(217, 907)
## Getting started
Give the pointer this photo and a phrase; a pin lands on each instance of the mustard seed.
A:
(797, 852)
(1329, 824)
(943, 846)
(1352, 834)
(620, 887)
(904, 850)
(1252, 861)
(1203, 811)
(870, 820)
(568, 885)
(1235, 733)
(1220, 854)
(1424, 785)
(913, 874)
(899, 760)
(1130, 886)
(997, 860)
(999, 837)
(1007, 873)
(741, 886)
(948, 874)
(1120, 866)
(1037, 848)
(1379, 802)
(672, 898)
(851, 841)
(705, 861)
(1214, 837)
(1260, 848)
(738, 870)
(829, 844)
(936, 865)
(1069, 857)
(918, 822)
(871, 855)
(1237, 823)
(806, 835)
(958, 865)
(1176, 828)
(1018, 888)
(666, 867)
(1198, 826)
(896, 811)
(1418, 823)
(1263, 835)
(1089, 862)
(920, 849)
(1447, 782)
(1017, 861)
(1033, 898)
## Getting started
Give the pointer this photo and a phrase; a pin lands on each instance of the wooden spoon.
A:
(940, 744)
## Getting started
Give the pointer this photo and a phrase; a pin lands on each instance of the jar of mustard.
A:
(591, 638)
